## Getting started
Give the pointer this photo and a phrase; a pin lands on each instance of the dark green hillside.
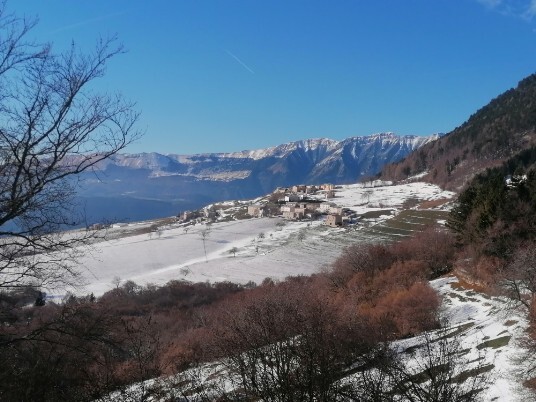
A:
(496, 211)
(501, 129)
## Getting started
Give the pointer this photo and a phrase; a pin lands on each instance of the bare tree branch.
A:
(53, 127)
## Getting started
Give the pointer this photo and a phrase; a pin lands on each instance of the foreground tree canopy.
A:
(52, 128)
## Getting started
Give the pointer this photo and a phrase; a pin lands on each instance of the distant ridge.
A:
(203, 178)
(356, 156)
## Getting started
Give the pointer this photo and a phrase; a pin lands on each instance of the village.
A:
(304, 202)
(296, 203)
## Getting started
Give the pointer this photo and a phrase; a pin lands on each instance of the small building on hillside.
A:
(256, 211)
(311, 189)
(330, 194)
(300, 210)
(185, 215)
(293, 215)
(288, 208)
(328, 186)
(292, 198)
(189, 215)
(299, 189)
(335, 210)
(334, 220)
(210, 212)
(312, 205)
(292, 212)
(324, 207)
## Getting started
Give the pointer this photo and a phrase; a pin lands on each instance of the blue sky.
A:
(219, 76)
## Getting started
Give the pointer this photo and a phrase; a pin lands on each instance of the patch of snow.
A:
(487, 318)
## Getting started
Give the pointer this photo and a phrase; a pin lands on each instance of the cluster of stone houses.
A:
(304, 209)
(297, 211)
(295, 204)
(301, 191)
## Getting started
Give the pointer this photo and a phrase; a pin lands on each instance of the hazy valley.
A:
(130, 187)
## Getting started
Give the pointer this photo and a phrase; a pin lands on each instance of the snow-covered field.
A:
(365, 197)
(297, 248)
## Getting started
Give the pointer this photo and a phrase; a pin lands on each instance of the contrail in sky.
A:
(239, 61)
(88, 21)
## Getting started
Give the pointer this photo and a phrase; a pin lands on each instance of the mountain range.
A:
(148, 185)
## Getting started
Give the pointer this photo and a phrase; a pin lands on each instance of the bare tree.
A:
(437, 369)
(233, 251)
(204, 234)
(518, 277)
(53, 127)
(116, 281)
(366, 195)
(65, 352)
(440, 372)
(287, 344)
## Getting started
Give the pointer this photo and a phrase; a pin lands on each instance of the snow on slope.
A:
(491, 334)
(380, 195)
(384, 139)
(284, 149)
(177, 254)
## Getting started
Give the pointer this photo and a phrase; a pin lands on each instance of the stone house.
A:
(300, 210)
(334, 220)
(335, 210)
(292, 198)
(292, 211)
(288, 208)
(327, 187)
(330, 194)
(312, 206)
(257, 211)
(293, 215)
(324, 207)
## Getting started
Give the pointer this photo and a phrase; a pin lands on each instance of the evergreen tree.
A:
(41, 299)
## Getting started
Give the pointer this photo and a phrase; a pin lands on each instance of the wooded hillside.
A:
(496, 132)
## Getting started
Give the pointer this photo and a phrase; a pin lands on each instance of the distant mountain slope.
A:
(203, 178)
(499, 130)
